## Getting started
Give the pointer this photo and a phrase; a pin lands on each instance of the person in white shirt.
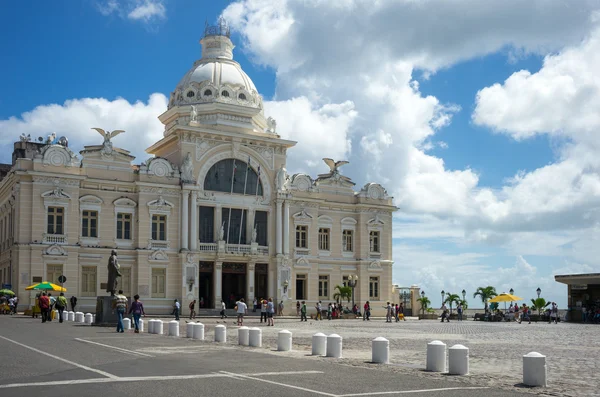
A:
(223, 308)
(176, 309)
(242, 309)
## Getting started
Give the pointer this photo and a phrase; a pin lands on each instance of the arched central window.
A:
(221, 175)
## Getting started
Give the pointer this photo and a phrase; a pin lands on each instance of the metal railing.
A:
(237, 248)
(55, 238)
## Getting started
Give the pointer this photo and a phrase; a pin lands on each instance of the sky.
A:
(479, 118)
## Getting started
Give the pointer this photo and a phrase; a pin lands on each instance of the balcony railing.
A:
(207, 247)
(55, 238)
(237, 248)
(263, 250)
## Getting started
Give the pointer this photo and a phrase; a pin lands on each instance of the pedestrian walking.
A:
(401, 314)
(263, 310)
(329, 309)
(44, 305)
(554, 313)
(51, 308)
(61, 305)
(192, 308)
(270, 312)
(318, 316)
(137, 309)
(303, 311)
(241, 309)
(459, 310)
(73, 302)
(121, 306)
(297, 308)
(367, 311)
(397, 312)
(388, 313)
(525, 314)
(176, 309)
(254, 305)
(223, 308)
(280, 308)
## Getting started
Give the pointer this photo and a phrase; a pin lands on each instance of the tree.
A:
(464, 304)
(539, 304)
(425, 302)
(485, 293)
(452, 299)
(343, 293)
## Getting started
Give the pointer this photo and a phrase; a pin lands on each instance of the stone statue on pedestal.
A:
(222, 232)
(113, 273)
(253, 235)
(281, 179)
(187, 169)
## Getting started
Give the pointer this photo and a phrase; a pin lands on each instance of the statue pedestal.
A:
(106, 316)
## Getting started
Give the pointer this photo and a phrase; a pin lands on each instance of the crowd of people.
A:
(591, 313)
(8, 304)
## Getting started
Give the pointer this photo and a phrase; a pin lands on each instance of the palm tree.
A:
(464, 304)
(343, 293)
(485, 293)
(452, 299)
(425, 302)
(539, 304)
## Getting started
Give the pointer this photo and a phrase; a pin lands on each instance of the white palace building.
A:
(211, 216)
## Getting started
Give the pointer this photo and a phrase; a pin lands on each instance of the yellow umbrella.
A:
(46, 286)
(505, 298)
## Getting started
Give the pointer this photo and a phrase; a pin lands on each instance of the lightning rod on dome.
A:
(220, 29)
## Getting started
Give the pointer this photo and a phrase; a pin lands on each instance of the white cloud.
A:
(137, 10)
(148, 10)
(75, 118)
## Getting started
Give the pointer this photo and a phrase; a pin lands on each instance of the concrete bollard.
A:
(436, 356)
(126, 323)
(334, 346)
(141, 324)
(284, 341)
(173, 328)
(244, 336)
(380, 350)
(220, 334)
(78, 317)
(88, 318)
(158, 327)
(535, 372)
(198, 331)
(70, 316)
(319, 344)
(189, 330)
(255, 336)
(65, 316)
(151, 326)
(458, 360)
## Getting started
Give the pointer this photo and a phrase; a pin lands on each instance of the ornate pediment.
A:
(160, 205)
(124, 202)
(302, 183)
(302, 217)
(373, 191)
(55, 250)
(375, 265)
(58, 156)
(56, 193)
(90, 199)
(159, 256)
(375, 222)
(160, 167)
(302, 263)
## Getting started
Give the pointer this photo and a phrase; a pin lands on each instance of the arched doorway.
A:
(234, 283)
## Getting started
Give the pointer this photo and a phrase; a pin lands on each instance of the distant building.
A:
(212, 216)
(583, 291)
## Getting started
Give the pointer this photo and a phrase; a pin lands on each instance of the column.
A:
(218, 284)
(278, 228)
(249, 225)
(218, 221)
(194, 223)
(250, 283)
(184, 219)
(286, 226)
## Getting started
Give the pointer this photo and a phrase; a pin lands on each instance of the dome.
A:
(216, 77)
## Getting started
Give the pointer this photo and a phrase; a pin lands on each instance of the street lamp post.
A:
(539, 291)
(352, 280)
(512, 291)
(464, 294)
(422, 306)
(443, 294)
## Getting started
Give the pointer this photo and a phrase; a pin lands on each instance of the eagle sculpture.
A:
(334, 165)
(107, 134)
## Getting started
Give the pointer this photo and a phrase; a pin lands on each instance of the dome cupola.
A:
(216, 77)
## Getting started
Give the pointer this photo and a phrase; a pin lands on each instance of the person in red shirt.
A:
(44, 304)
(367, 312)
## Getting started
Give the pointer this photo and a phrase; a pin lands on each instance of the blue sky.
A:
(488, 165)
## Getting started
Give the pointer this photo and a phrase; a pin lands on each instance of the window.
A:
(374, 288)
(374, 241)
(89, 224)
(261, 224)
(222, 177)
(301, 286)
(301, 236)
(347, 240)
(207, 93)
(237, 230)
(125, 282)
(323, 239)
(55, 220)
(191, 94)
(206, 224)
(345, 281)
(53, 272)
(159, 227)
(324, 287)
(88, 281)
(225, 93)
(123, 226)
(242, 97)
(158, 283)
